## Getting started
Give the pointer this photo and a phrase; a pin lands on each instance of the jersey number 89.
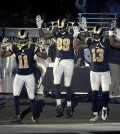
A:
(63, 44)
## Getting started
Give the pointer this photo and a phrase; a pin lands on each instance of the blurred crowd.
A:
(21, 13)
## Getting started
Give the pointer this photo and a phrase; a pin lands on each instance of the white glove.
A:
(5, 43)
(39, 21)
(75, 30)
(112, 25)
(83, 24)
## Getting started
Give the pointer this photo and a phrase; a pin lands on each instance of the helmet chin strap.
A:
(20, 46)
(63, 33)
(24, 44)
(97, 40)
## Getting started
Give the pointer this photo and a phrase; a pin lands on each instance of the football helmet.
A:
(62, 25)
(23, 39)
(97, 33)
(23, 36)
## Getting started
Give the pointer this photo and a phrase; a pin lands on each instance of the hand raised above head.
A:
(39, 21)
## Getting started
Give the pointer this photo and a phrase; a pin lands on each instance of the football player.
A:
(98, 45)
(24, 52)
(114, 61)
(64, 61)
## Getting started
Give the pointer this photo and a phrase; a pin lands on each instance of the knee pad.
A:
(67, 81)
(67, 84)
(31, 96)
(57, 80)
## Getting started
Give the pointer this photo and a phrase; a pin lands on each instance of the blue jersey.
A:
(64, 45)
(99, 53)
(25, 58)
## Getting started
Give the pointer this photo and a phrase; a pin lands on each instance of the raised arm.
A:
(40, 51)
(114, 39)
(113, 42)
(5, 53)
(39, 22)
(77, 45)
(83, 25)
(83, 36)
(42, 55)
(78, 35)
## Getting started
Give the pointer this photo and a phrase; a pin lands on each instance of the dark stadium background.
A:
(12, 11)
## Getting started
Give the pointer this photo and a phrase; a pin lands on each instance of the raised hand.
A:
(39, 21)
(112, 25)
(5, 43)
(76, 30)
(83, 24)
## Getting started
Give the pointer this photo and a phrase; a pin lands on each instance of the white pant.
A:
(29, 81)
(97, 78)
(65, 66)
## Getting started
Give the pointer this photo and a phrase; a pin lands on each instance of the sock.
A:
(17, 104)
(95, 101)
(68, 103)
(105, 95)
(58, 101)
(69, 93)
(95, 113)
(33, 106)
(57, 91)
(104, 108)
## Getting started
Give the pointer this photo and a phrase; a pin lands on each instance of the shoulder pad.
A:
(88, 38)
(70, 30)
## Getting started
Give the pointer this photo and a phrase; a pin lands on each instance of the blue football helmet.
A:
(97, 33)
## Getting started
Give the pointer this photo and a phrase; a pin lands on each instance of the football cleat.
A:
(59, 111)
(104, 113)
(69, 112)
(34, 119)
(94, 118)
(17, 118)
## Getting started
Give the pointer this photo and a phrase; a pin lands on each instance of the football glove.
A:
(112, 25)
(5, 43)
(75, 30)
(39, 21)
(83, 24)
